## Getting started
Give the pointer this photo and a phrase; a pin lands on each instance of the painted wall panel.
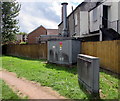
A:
(114, 11)
(83, 23)
(119, 10)
(119, 17)
(95, 24)
(113, 15)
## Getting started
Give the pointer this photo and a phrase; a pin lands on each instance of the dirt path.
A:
(28, 88)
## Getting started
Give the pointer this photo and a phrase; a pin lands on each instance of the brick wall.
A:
(32, 37)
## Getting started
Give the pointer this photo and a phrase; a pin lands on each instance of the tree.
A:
(10, 11)
(22, 33)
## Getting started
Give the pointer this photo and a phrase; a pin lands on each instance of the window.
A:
(76, 19)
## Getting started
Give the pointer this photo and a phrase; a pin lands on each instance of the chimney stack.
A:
(64, 18)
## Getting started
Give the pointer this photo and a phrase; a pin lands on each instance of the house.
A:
(21, 38)
(51, 34)
(104, 19)
(94, 21)
(35, 36)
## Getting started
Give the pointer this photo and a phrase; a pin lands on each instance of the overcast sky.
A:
(42, 12)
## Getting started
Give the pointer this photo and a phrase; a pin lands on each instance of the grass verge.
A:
(7, 93)
(62, 79)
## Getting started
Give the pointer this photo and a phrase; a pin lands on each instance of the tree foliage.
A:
(10, 11)
(22, 33)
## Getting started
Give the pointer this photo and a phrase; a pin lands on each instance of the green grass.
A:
(7, 93)
(62, 79)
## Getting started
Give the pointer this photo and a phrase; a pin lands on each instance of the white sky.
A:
(42, 12)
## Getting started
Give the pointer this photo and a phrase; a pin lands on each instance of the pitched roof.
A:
(38, 28)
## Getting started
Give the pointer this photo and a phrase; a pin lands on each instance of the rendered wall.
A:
(84, 7)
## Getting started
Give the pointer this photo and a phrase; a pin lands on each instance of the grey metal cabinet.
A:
(88, 72)
(63, 51)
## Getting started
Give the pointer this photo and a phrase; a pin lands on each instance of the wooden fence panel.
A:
(36, 51)
(107, 51)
